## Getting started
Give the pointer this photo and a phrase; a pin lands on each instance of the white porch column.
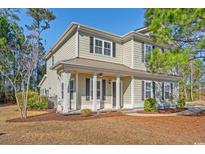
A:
(118, 92)
(132, 90)
(76, 91)
(59, 97)
(94, 105)
(66, 94)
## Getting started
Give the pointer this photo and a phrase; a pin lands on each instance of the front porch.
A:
(97, 85)
(97, 91)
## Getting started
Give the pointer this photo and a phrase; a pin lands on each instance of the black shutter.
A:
(87, 89)
(143, 56)
(153, 89)
(113, 49)
(142, 90)
(171, 89)
(91, 44)
(153, 47)
(162, 50)
(162, 90)
(103, 89)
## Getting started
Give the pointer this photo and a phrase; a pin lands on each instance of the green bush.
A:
(85, 112)
(150, 104)
(34, 100)
(181, 103)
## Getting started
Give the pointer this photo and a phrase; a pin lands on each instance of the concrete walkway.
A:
(192, 110)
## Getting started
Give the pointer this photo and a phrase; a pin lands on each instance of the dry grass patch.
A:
(110, 130)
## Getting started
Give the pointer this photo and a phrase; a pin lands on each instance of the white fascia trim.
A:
(141, 29)
(42, 80)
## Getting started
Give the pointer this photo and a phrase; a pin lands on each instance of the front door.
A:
(114, 94)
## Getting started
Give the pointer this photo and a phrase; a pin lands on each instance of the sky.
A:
(117, 21)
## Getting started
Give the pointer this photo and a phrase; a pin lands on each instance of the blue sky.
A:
(117, 21)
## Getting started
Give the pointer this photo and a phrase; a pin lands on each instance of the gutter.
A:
(132, 72)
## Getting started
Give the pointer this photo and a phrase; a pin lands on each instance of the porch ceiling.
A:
(97, 66)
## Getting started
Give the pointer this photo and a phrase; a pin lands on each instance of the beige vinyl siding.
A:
(51, 79)
(138, 64)
(66, 51)
(126, 91)
(127, 53)
(84, 50)
(138, 93)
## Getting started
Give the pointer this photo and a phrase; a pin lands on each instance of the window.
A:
(46, 92)
(148, 50)
(53, 60)
(103, 47)
(167, 91)
(98, 46)
(148, 89)
(98, 90)
(71, 88)
(107, 48)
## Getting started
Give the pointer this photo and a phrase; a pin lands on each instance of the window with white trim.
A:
(98, 46)
(148, 89)
(107, 48)
(98, 90)
(103, 47)
(167, 90)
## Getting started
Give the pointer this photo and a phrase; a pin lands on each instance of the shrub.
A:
(34, 100)
(85, 112)
(150, 104)
(181, 103)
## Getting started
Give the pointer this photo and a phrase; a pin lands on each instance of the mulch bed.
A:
(164, 111)
(7, 104)
(52, 115)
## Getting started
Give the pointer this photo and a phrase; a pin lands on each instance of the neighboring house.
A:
(90, 68)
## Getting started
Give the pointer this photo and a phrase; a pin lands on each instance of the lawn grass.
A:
(110, 130)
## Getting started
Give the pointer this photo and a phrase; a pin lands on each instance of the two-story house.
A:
(91, 68)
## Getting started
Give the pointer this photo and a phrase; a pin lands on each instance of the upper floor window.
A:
(53, 60)
(98, 46)
(103, 47)
(107, 48)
